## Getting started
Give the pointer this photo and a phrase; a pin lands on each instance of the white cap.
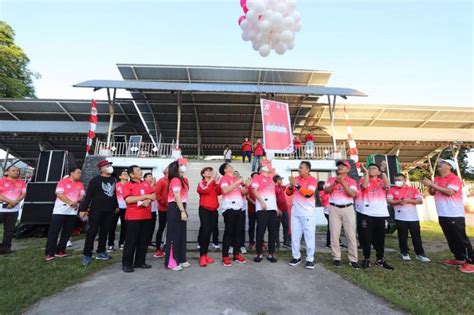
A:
(450, 162)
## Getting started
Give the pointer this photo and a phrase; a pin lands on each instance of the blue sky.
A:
(398, 52)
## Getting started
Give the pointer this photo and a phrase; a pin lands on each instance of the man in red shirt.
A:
(404, 200)
(138, 195)
(447, 191)
(342, 189)
(12, 192)
(309, 142)
(122, 205)
(282, 206)
(251, 214)
(161, 191)
(246, 150)
(208, 191)
(257, 155)
(69, 192)
(297, 146)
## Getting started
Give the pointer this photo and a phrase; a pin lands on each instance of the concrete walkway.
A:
(242, 289)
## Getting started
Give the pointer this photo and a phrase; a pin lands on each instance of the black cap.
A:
(276, 178)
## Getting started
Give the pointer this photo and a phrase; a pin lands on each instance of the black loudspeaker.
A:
(53, 165)
(39, 203)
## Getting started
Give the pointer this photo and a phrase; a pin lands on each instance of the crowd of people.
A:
(360, 208)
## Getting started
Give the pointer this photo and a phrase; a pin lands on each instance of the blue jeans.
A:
(256, 162)
(247, 154)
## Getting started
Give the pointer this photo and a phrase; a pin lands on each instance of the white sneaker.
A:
(177, 268)
(198, 247)
(69, 244)
(185, 264)
(231, 250)
(405, 257)
(216, 246)
(110, 249)
(423, 258)
(243, 250)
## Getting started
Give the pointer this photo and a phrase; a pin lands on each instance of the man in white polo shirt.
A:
(266, 208)
(342, 189)
(303, 214)
(404, 200)
(447, 191)
(372, 215)
(69, 192)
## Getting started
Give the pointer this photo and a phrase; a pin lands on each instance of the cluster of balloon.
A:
(270, 24)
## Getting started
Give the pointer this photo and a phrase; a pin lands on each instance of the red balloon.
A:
(243, 4)
(241, 19)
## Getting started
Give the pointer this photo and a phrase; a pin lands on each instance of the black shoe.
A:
(143, 266)
(354, 265)
(287, 244)
(295, 262)
(328, 246)
(127, 269)
(309, 265)
(272, 259)
(258, 258)
(366, 264)
(6, 251)
(337, 263)
(383, 264)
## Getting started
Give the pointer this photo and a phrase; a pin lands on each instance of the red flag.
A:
(93, 124)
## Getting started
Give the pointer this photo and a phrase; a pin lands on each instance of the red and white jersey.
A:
(11, 189)
(232, 199)
(73, 190)
(338, 195)
(120, 199)
(404, 212)
(266, 188)
(449, 206)
(374, 198)
(303, 206)
(177, 186)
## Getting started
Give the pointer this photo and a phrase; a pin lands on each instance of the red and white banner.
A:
(277, 133)
(93, 125)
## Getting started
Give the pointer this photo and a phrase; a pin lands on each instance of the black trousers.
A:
(328, 232)
(215, 230)
(247, 154)
(59, 223)
(232, 221)
(372, 231)
(113, 227)
(208, 220)
(99, 222)
(161, 228)
(151, 229)
(402, 230)
(175, 235)
(283, 221)
(242, 229)
(136, 243)
(9, 220)
(454, 230)
(252, 221)
(266, 219)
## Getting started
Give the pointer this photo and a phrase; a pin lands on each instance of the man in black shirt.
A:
(100, 202)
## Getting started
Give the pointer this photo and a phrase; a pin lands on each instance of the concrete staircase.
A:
(194, 176)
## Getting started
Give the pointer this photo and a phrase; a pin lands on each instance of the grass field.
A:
(26, 277)
(414, 287)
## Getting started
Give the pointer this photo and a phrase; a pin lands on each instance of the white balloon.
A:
(270, 4)
(291, 5)
(287, 37)
(252, 16)
(256, 45)
(290, 46)
(245, 36)
(263, 38)
(264, 26)
(265, 50)
(288, 22)
(251, 4)
(279, 48)
(252, 34)
(275, 39)
(281, 8)
(245, 25)
(296, 15)
(276, 20)
(297, 27)
(259, 7)
(267, 14)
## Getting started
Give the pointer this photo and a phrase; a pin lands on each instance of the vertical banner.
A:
(277, 133)
(92, 127)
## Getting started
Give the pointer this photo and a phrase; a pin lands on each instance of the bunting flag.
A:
(92, 127)
(353, 152)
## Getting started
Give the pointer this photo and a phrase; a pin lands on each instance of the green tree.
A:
(16, 80)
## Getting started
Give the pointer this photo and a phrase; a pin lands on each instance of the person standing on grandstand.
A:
(246, 150)
(257, 155)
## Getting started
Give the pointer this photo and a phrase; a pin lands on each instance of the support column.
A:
(6, 159)
(111, 114)
(332, 107)
(455, 158)
(179, 119)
